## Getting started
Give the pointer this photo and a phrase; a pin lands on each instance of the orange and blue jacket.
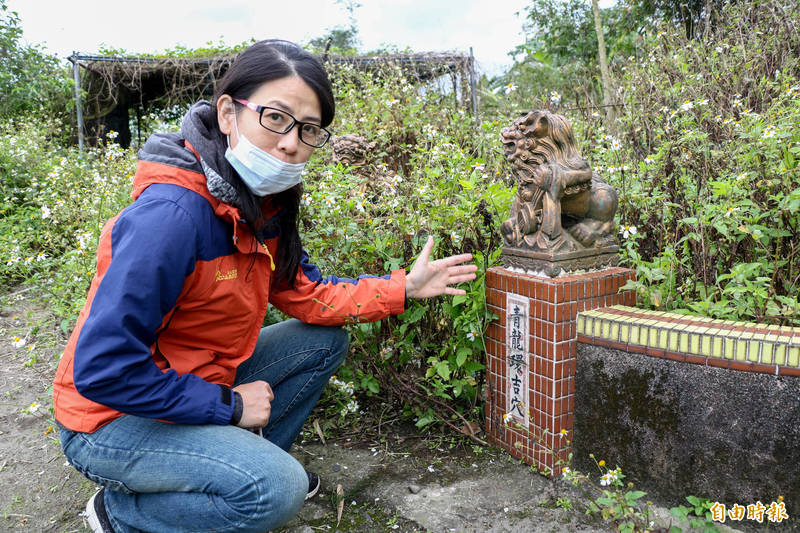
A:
(179, 297)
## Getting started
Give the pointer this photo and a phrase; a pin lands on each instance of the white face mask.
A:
(262, 172)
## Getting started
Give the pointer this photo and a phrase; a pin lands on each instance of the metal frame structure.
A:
(426, 66)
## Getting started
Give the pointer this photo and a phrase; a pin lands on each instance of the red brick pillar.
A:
(531, 363)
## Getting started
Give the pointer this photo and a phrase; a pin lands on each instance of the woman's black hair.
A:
(262, 62)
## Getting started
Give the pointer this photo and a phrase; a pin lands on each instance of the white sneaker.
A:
(96, 514)
(313, 484)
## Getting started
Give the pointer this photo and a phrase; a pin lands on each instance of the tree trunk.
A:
(611, 112)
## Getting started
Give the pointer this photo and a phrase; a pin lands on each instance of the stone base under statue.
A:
(554, 263)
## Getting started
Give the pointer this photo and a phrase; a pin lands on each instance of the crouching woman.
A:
(168, 360)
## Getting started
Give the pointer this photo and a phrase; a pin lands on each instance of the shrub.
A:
(53, 203)
(704, 157)
(431, 173)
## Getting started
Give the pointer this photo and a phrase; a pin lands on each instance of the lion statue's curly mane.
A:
(548, 138)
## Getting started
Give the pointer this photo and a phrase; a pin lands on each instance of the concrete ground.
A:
(425, 485)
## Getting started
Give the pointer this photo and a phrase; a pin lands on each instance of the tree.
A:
(561, 50)
(29, 78)
(339, 40)
(601, 48)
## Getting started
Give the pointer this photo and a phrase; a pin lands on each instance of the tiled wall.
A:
(720, 343)
(554, 304)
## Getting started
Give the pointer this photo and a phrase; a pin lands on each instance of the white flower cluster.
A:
(346, 388)
(15, 257)
(85, 238)
(609, 477)
(769, 132)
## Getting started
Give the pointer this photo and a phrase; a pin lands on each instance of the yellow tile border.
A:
(766, 353)
(580, 326)
(705, 337)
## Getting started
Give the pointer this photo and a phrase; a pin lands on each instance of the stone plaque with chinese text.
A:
(517, 313)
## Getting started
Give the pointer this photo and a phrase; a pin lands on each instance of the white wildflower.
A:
(352, 406)
(627, 231)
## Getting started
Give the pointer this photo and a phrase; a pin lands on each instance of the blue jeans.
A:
(176, 477)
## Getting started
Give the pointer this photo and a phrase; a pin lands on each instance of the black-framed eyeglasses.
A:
(281, 122)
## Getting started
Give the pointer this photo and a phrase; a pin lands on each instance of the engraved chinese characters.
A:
(517, 312)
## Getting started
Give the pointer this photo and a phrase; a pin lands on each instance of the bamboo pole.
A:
(611, 111)
(78, 108)
(472, 85)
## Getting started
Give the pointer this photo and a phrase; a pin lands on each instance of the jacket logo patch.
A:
(230, 274)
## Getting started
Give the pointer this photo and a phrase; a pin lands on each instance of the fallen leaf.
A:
(471, 429)
(340, 507)
(319, 431)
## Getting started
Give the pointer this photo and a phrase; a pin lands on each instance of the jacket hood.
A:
(176, 150)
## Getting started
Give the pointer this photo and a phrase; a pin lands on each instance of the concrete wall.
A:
(681, 427)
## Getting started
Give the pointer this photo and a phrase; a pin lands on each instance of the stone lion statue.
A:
(355, 151)
(351, 149)
(561, 205)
